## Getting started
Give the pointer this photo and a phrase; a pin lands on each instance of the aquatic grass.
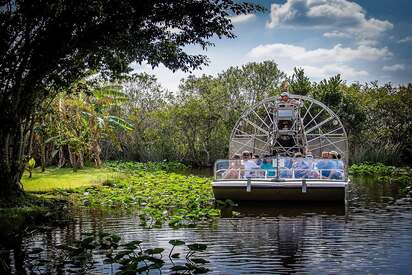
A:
(387, 153)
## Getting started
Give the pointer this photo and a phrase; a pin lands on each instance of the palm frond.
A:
(120, 123)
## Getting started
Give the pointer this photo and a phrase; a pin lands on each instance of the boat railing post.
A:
(249, 184)
(277, 166)
(304, 186)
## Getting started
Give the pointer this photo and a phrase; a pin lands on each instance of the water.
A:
(372, 235)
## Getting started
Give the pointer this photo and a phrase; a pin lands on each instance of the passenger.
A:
(249, 165)
(338, 173)
(326, 165)
(288, 162)
(301, 166)
(235, 168)
(267, 166)
(257, 159)
(312, 174)
(285, 167)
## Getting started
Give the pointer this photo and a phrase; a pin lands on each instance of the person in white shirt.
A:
(249, 165)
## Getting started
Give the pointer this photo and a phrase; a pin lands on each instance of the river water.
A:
(372, 234)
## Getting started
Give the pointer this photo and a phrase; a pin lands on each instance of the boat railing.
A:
(224, 169)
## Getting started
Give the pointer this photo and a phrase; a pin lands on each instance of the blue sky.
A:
(364, 40)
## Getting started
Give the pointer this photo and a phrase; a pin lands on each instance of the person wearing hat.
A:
(284, 97)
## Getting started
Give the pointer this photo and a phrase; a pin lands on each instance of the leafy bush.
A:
(371, 169)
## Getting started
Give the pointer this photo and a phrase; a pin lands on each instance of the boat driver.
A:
(284, 97)
(286, 100)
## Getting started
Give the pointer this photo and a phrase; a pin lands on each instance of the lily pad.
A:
(176, 242)
(197, 247)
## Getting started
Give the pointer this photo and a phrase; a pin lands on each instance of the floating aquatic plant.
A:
(124, 258)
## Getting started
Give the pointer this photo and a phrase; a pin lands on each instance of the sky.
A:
(363, 40)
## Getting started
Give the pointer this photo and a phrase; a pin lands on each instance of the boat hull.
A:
(266, 190)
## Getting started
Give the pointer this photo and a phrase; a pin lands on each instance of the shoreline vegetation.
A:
(161, 192)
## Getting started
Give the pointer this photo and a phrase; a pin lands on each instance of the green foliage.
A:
(299, 83)
(194, 125)
(333, 92)
(386, 153)
(56, 43)
(386, 174)
(372, 169)
(168, 166)
(160, 196)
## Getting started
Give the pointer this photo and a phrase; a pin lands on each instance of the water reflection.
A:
(286, 209)
(373, 235)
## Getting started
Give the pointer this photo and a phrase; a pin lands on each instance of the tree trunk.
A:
(81, 160)
(73, 159)
(62, 159)
(12, 163)
(96, 152)
(42, 154)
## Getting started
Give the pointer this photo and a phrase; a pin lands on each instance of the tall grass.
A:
(387, 153)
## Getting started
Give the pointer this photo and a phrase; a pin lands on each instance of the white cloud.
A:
(320, 63)
(241, 18)
(341, 17)
(394, 68)
(329, 70)
(336, 34)
(337, 54)
(406, 39)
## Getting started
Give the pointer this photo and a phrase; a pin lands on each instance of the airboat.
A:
(298, 151)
